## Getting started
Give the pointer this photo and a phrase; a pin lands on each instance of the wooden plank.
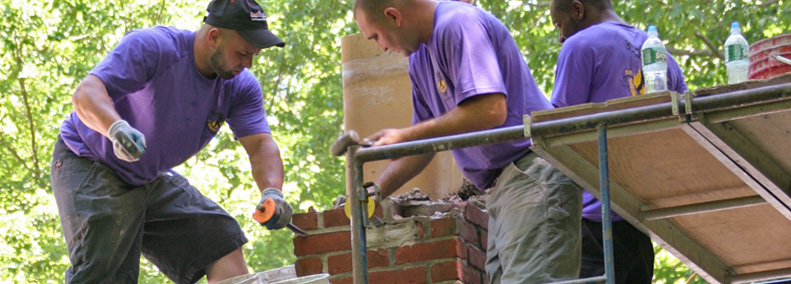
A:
(617, 131)
(666, 169)
(584, 173)
(591, 108)
(744, 146)
(742, 151)
(750, 84)
(745, 112)
(686, 173)
(747, 240)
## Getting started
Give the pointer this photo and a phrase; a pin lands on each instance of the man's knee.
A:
(228, 266)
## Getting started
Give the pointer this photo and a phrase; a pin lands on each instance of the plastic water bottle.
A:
(737, 55)
(654, 55)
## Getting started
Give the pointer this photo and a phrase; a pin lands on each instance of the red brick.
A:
(477, 258)
(306, 221)
(343, 263)
(420, 230)
(461, 250)
(339, 280)
(308, 266)
(339, 264)
(476, 215)
(444, 271)
(335, 218)
(469, 233)
(427, 251)
(414, 275)
(443, 227)
(378, 258)
(470, 275)
(313, 244)
(484, 240)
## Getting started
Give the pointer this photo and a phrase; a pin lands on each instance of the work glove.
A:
(128, 143)
(282, 210)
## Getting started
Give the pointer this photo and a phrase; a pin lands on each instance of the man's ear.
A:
(577, 10)
(214, 37)
(393, 15)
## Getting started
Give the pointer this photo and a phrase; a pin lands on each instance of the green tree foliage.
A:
(47, 47)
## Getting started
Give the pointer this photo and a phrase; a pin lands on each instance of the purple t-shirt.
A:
(471, 53)
(600, 63)
(155, 85)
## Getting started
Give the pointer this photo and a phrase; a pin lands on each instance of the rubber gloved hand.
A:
(128, 143)
(282, 210)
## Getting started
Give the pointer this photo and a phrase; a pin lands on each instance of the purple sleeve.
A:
(132, 63)
(573, 74)
(675, 78)
(247, 115)
(470, 59)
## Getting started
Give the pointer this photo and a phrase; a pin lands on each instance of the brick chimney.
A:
(419, 241)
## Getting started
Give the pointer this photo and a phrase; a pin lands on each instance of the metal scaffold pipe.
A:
(440, 144)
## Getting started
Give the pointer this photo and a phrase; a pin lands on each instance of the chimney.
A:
(419, 241)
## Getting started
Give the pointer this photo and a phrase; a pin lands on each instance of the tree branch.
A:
(13, 152)
(714, 49)
(32, 126)
(695, 52)
(767, 3)
(159, 12)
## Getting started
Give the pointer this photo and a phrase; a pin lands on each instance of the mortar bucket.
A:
(322, 278)
(283, 275)
(763, 57)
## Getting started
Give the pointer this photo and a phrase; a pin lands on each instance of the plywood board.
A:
(750, 84)
(675, 164)
(748, 240)
(771, 133)
(666, 168)
(611, 105)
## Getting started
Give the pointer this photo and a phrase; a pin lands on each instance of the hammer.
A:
(268, 211)
(339, 147)
(350, 138)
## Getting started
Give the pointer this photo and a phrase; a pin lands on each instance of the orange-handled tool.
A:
(267, 211)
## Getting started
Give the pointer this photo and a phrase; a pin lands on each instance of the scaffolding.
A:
(739, 202)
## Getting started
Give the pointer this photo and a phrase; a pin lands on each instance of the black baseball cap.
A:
(245, 17)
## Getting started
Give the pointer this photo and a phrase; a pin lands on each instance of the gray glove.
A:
(128, 143)
(282, 210)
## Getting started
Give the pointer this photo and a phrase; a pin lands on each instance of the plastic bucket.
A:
(259, 278)
(763, 57)
(283, 275)
(323, 278)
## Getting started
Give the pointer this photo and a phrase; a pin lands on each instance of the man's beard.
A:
(218, 64)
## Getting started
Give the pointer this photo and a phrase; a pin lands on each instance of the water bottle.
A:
(654, 57)
(737, 55)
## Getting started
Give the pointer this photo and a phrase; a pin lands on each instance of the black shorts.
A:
(633, 252)
(108, 223)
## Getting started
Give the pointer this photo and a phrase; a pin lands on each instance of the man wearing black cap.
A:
(156, 100)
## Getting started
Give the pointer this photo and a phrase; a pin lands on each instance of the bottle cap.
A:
(652, 28)
(735, 25)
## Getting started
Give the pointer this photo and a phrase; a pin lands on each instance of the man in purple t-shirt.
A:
(154, 101)
(600, 60)
(468, 75)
